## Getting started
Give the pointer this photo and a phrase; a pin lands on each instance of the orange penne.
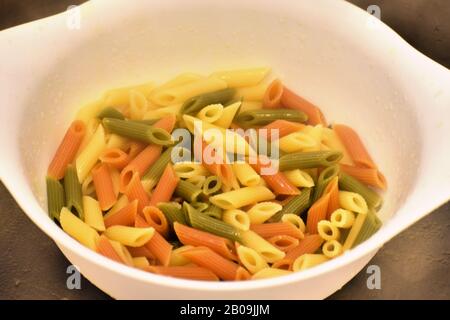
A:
(67, 150)
(139, 222)
(333, 190)
(123, 217)
(115, 158)
(194, 237)
(167, 123)
(204, 257)
(268, 230)
(354, 146)
(242, 274)
(140, 164)
(277, 182)
(104, 186)
(369, 176)
(185, 272)
(317, 212)
(283, 264)
(166, 186)
(292, 101)
(160, 248)
(283, 127)
(310, 244)
(156, 219)
(141, 252)
(105, 248)
(218, 167)
(135, 191)
(284, 242)
(272, 96)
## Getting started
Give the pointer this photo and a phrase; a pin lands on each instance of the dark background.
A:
(414, 265)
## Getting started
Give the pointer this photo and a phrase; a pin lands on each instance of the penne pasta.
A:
(268, 230)
(67, 150)
(369, 176)
(310, 244)
(124, 216)
(261, 246)
(243, 77)
(299, 178)
(239, 198)
(307, 261)
(228, 114)
(93, 215)
(283, 242)
(316, 213)
(328, 231)
(263, 211)
(87, 159)
(251, 259)
(237, 218)
(270, 273)
(246, 175)
(156, 219)
(272, 96)
(290, 100)
(184, 272)
(78, 230)
(104, 186)
(165, 187)
(129, 236)
(353, 202)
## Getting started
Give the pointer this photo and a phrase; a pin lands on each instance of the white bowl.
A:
(351, 65)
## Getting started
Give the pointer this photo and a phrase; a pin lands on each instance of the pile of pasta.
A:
(115, 187)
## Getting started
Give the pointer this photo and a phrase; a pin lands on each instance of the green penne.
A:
(138, 131)
(151, 177)
(305, 160)
(324, 179)
(195, 104)
(203, 222)
(371, 225)
(187, 191)
(110, 112)
(348, 183)
(211, 185)
(55, 197)
(297, 205)
(72, 188)
(148, 122)
(214, 212)
(173, 212)
(200, 206)
(262, 117)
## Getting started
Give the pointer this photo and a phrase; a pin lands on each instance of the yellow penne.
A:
(332, 141)
(211, 113)
(93, 215)
(297, 141)
(342, 218)
(122, 251)
(299, 178)
(115, 141)
(295, 220)
(138, 105)
(262, 211)
(78, 230)
(308, 260)
(354, 231)
(243, 77)
(140, 262)
(183, 92)
(328, 231)
(90, 111)
(189, 169)
(176, 259)
(179, 80)
(353, 202)
(228, 115)
(237, 218)
(227, 140)
(252, 93)
(87, 187)
(89, 156)
(332, 248)
(130, 236)
(163, 112)
(251, 259)
(270, 273)
(91, 127)
(246, 175)
(264, 248)
(121, 96)
(250, 105)
(244, 196)
(315, 132)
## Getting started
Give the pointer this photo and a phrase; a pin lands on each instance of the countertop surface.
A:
(414, 265)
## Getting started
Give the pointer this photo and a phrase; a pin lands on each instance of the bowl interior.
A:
(332, 69)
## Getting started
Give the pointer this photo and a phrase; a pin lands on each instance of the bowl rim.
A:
(29, 204)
